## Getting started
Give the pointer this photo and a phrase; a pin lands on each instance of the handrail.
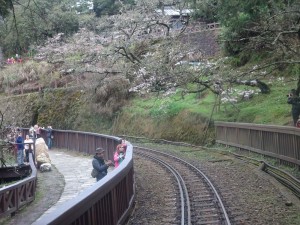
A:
(280, 142)
(14, 196)
(88, 200)
(109, 201)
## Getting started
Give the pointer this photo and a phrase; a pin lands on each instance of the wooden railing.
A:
(280, 142)
(14, 196)
(109, 201)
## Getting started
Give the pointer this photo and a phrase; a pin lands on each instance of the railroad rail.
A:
(283, 177)
(288, 180)
(97, 205)
(200, 202)
(279, 142)
(184, 208)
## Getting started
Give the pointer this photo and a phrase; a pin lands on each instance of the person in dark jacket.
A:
(20, 149)
(99, 164)
(294, 100)
(49, 136)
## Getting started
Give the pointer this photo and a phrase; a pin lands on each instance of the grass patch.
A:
(188, 117)
(269, 108)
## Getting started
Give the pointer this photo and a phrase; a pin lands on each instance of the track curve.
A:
(202, 203)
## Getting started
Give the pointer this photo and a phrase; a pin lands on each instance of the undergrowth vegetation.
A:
(269, 108)
(135, 73)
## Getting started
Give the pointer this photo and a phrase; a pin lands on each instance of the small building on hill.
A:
(178, 17)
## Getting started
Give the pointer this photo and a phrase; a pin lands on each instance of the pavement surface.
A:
(71, 174)
(76, 171)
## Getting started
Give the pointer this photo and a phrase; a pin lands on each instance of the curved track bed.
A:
(197, 201)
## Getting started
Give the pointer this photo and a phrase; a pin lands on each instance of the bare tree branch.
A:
(283, 32)
(268, 65)
(130, 56)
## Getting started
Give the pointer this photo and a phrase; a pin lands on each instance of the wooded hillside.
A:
(117, 50)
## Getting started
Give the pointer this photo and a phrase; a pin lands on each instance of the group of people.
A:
(101, 166)
(25, 146)
(35, 132)
(13, 60)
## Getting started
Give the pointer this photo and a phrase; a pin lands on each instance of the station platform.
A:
(70, 175)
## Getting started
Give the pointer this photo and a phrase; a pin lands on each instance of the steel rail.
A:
(225, 214)
(181, 185)
(283, 177)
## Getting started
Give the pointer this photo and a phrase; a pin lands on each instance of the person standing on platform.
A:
(123, 142)
(119, 155)
(32, 133)
(37, 131)
(99, 164)
(20, 149)
(28, 145)
(49, 136)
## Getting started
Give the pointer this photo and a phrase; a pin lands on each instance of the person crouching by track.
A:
(99, 165)
(119, 155)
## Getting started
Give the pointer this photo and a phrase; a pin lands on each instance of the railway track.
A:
(197, 200)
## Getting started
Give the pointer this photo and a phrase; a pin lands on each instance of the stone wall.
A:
(205, 41)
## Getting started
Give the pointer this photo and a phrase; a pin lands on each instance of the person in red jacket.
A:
(119, 155)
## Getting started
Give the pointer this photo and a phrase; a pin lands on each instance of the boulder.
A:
(41, 152)
(45, 167)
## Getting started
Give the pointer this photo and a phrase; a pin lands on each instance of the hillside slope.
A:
(77, 83)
